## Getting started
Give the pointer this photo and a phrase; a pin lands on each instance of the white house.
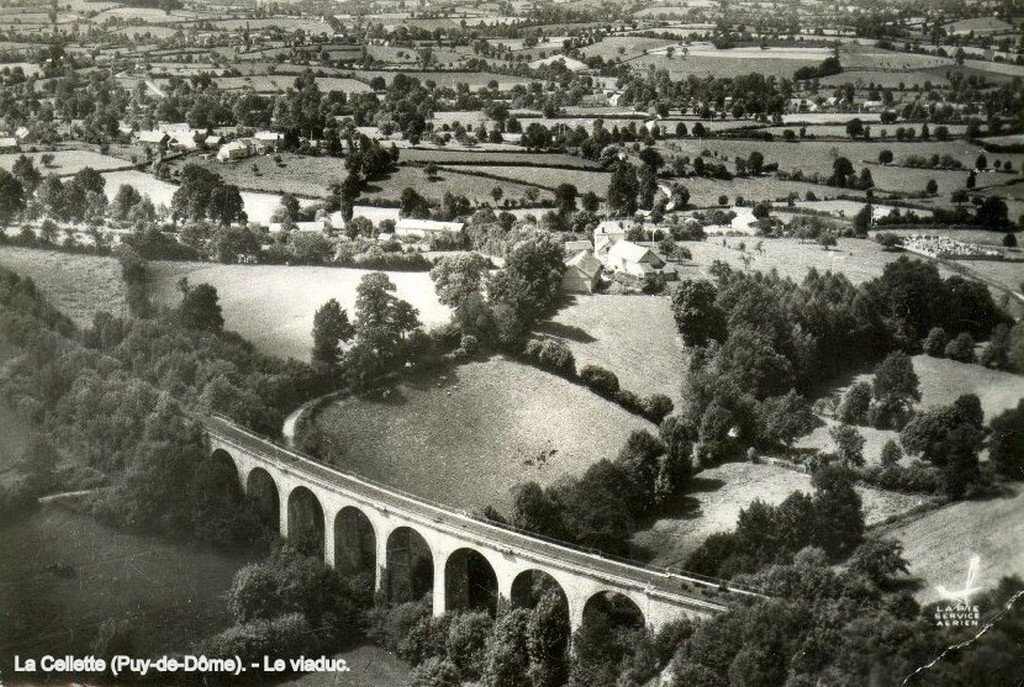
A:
(426, 228)
(268, 140)
(153, 136)
(608, 232)
(8, 143)
(633, 259)
(235, 150)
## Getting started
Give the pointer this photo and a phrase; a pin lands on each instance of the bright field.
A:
(476, 188)
(466, 439)
(633, 336)
(66, 161)
(273, 305)
(940, 544)
(78, 285)
(858, 259)
(719, 494)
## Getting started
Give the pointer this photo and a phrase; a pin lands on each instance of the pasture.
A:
(78, 285)
(858, 259)
(942, 382)
(817, 156)
(548, 177)
(173, 595)
(940, 544)
(476, 188)
(66, 162)
(633, 336)
(273, 305)
(717, 495)
(466, 438)
(258, 206)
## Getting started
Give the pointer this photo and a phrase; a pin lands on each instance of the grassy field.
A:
(259, 206)
(468, 438)
(545, 176)
(472, 79)
(719, 494)
(940, 544)
(633, 336)
(78, 285)
(281, 83)
(942, 382)
(66, 161)
(860, 260)
(509, 158)
(817, 156)
(273, 305)
(299, 175)
(174, 595)
(476, 188)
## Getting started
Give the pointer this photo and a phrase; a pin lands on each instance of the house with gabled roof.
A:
(582, 273)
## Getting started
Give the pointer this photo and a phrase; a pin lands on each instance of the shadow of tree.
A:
(565, 331)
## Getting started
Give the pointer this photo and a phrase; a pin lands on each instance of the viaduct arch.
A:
(411, 546)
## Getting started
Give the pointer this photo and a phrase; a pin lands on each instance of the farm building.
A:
(425, 228)
(574, 247)
(582, 273)
(8, 143)
(267, 140)
(236, 150)
(153, 136)
(633, 259)
(607, 233)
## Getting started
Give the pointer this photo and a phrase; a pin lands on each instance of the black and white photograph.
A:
(511, 343)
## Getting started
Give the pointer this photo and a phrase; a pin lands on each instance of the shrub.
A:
(656, 407)
(961, 348)
(469, 344)
(552, 355)
(435, 672)
(918, 478)
(599, 380)
(891, 453)
(387, 626)
(630, 401)
(285, 636)
(936, 341)
(853, 409)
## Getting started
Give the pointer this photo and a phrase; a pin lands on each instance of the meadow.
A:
(78, 285)
(66, 162)
(858, 259)
(258, 206)
(633, 336)
(940, 543)
(273, 305)
(942, 382)
(474, 187)
(173, 595)
(466, 438)
(548, 177)
(280, 83)
(817, 156)
(717, 495)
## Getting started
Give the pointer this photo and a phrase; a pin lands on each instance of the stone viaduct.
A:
(412, 546)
